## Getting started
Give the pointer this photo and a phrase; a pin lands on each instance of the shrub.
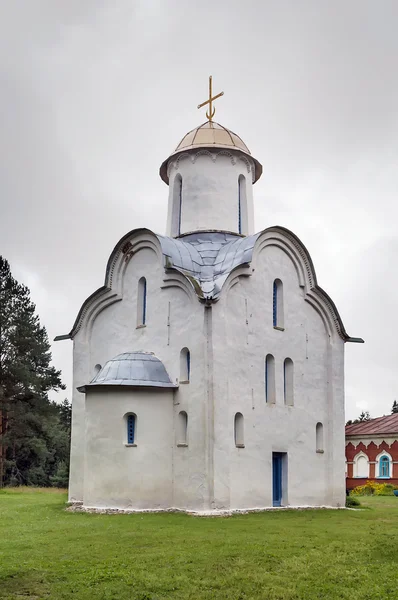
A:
(372, 488)
(351, 501)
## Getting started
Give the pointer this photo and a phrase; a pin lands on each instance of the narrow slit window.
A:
(182, 430)
(179, 192)
(239, 431)
(177, 205)
(239, 206)
(176, 199)
(131, 429)
(270, 379)
(288, 380)
(185, 365)
(277, 304)
(319, 437)
(142, 302)
(242, 205)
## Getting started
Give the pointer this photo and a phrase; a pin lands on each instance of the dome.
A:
(142, 369)
(210, 135)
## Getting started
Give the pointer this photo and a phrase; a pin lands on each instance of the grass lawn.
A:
(46, 552)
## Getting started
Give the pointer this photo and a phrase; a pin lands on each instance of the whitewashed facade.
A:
(253, 414)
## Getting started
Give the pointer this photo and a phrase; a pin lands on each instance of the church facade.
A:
(209, 368)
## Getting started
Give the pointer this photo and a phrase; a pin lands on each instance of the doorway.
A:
(277, 477)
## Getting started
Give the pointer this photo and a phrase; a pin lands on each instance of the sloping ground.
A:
(46, 552)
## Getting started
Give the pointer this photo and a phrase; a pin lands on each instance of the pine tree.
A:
(394, 408)
(364, 416)
(26, 377)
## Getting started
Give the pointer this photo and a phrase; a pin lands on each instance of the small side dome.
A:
(134, 369)
(211, 135)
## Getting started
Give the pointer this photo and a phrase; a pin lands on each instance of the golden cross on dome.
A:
(212, 110)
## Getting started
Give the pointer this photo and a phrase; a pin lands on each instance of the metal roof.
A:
(211, 135)
(208, 257)
(141, 369)
(383, 425)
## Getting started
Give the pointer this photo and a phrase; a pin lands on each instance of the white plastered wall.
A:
(228, 343)
(175, 320)
(243, 335)
(122, 476)
(210, 192)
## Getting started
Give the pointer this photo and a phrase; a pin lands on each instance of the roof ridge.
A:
(384, 425)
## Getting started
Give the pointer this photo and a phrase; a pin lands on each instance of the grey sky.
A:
(94, 95)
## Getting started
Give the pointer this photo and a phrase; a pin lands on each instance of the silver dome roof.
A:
(142, 369)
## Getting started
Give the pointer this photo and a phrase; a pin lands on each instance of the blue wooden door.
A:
(276, 479)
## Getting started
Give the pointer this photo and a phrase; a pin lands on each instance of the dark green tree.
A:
(61, 445)
(27, 419)
(364, 416)
(65, 414)
(394, 408)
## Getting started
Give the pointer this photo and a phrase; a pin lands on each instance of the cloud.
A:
(95, 95)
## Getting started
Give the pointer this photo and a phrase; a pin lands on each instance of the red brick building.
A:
(372, 451)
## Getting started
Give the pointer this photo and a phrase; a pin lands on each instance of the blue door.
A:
(277, 478)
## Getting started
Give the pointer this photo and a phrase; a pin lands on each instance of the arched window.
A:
(97, 369)
(288, 380)
(319, 437)
(177, 205)
(361, 466)
(179, 192)
(182, 429)
(141, 302)
(384, 466)
(277, 304)
(131, 420)
(242, 205)
(270, 395)
(239, 431)
(185, 365)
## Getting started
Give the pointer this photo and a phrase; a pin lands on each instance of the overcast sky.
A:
(94, 95)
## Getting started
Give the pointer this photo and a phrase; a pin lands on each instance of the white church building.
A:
(209, 368)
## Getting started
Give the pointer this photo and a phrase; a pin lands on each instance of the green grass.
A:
(46, 552)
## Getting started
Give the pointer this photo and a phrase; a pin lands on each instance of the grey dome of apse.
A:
(141, 369)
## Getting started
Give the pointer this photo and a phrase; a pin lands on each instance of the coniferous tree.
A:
(364, 416)
(27, 418)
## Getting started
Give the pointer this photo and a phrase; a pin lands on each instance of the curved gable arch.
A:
(314, 294)
(111, 291)
(266, 239)
(130, 244)
(175, 279)
(189, 282)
